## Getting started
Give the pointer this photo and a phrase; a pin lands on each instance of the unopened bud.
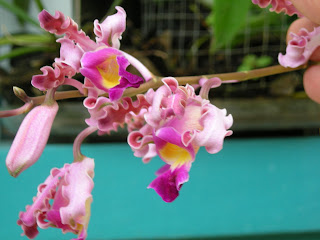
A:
(20, 93)
(31, 138)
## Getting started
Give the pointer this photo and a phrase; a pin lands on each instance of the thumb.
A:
(309, 8)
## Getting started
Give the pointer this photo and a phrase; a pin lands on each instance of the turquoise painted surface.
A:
(253, 186)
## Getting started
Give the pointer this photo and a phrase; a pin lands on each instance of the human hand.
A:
(310, 9)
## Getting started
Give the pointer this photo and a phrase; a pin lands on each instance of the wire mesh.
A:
(183, 24)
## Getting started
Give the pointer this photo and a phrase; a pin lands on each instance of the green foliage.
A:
(26, 39)
(227, 20)
(25, 43)
(252, 61)
(19, 12)
(23, 5)
(25, 50)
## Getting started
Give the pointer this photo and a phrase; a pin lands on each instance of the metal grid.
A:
(184, 20)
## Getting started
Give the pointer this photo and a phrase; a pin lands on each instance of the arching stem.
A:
(155, 82)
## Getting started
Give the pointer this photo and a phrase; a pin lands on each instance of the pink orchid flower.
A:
(69, 188)
(99, 61)
(300, 48)
(178, 123)
(278, 6)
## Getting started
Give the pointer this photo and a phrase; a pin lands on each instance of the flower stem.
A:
(74, 83)
(59, 95)
(77, 155)
(14, 112)
(156, 82)
(225, 77)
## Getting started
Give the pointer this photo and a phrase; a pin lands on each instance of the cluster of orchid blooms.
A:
(171, 122)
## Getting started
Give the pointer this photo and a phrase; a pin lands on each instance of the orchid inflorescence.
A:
(170, 120)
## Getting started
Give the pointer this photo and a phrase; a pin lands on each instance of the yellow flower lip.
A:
(174, 155)
(109, 71)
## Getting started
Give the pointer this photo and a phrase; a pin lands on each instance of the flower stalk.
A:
(77, 155)
(18, 111)
(155, 82)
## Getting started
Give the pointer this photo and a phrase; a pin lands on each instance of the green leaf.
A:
(23, 5)
(19, 13)
(39, 5)
(27, 39)
(264, 61)
(228, 18)
(25, 50)
(248, 63)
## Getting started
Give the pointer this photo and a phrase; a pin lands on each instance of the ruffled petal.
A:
(59, 25)
(110, 30)
(141, 142)
(215, 124)
(50, 78)
(63, 201)
(70, 54)
(300, 48)
(29, 220)
(108, 115)
(278, 6)
(77, 188)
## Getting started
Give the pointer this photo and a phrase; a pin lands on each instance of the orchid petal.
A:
(110, 30)
(300, 48)
(70, 190)
(106, 69)
(70, 54)
(59, 25)
(171, 149)
(278, 6)
(215, 128)
(169, 182)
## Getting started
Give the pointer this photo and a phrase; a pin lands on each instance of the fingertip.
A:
(311, 83)
(307, 24)
(315, 55)
(298, 24)
(309, 9)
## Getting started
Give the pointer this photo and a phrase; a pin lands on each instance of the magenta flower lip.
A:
(106, 69)
(169, 182)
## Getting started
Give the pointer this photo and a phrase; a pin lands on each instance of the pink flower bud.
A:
(31, 138)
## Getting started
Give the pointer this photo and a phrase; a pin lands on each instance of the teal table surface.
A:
(253, 186)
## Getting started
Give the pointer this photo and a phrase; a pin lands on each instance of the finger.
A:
(307, 24)
(311, 83)
(298, 24)
(309, 8)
